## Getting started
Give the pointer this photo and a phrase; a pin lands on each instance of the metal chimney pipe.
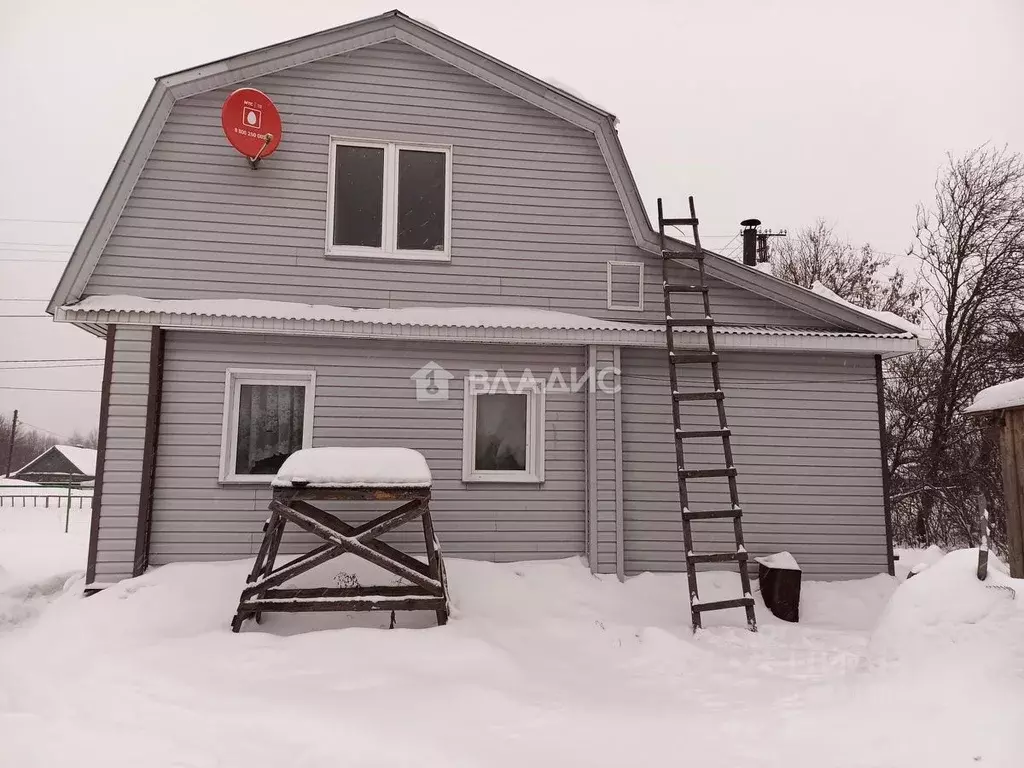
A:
(750, 241)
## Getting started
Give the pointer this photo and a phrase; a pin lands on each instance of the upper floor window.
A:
(388, 200)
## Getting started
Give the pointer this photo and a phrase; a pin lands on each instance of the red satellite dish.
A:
(252, 124)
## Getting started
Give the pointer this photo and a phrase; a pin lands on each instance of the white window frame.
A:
(234, 378)
(639, 306)
(535, 426)
(389, 220)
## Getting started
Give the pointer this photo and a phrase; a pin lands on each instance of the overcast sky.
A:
(782, 109)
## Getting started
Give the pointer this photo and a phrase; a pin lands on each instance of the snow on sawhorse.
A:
(348, 474)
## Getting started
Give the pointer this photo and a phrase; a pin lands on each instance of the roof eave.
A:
(347, 328)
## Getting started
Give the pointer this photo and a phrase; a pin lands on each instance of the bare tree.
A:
(28, 443)
(860, 276)
(89, 440)
(971, 243)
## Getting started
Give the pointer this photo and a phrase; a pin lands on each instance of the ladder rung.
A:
(717, 605)
(684, 288)
(712, 514)
(706, 357)
(678, 322)
(697, 473)
(681, 397)
(717, 557)
(687, 433)
(679, 222)
(693, 255)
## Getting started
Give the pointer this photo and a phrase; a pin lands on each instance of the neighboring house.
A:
(432, 212)
(57, 464)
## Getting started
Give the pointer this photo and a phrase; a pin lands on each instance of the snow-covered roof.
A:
(477, 323)
(83, 458)
(890, 318)
(340, 467)
(1009, 394)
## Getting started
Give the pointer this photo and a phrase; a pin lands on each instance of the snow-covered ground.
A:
(543, 664)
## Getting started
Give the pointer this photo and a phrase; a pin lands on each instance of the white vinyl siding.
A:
(535, 215)
(806, 447)
(122, 465)
(364, 397)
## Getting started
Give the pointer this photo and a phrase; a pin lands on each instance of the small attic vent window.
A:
(626, 285)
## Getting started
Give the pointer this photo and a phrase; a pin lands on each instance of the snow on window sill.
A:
(503, 477)
(246, 480)
(340, 251)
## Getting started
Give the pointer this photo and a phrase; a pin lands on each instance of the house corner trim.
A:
(153, 398)
(101, 456)
(884, 450)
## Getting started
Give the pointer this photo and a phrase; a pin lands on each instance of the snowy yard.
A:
(543, 664)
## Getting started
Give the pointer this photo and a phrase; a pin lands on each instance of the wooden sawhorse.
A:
(428, 587)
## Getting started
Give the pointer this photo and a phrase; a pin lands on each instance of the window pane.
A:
(421, 200)
(501, 432)
(269, 427)
(358, 195)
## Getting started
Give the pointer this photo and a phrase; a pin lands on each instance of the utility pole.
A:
(10, 443)
(755, 241)
(762, 243)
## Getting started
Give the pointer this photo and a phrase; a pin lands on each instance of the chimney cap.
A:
(750, 223)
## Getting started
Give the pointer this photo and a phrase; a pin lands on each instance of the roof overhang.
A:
(494, 325)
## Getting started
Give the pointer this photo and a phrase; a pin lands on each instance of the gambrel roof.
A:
(395, 25)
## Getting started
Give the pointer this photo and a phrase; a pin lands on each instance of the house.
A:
(437, 219)
(57, 464)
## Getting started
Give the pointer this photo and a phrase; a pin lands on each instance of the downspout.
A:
(155, 390)
(101, 459)
(591, 463)
(884, 448)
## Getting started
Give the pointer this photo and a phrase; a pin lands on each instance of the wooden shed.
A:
(1004, 403)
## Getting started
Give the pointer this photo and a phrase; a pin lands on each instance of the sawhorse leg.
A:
(273, 532)
(435, 563)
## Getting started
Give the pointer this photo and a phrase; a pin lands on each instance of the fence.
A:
(45, 500)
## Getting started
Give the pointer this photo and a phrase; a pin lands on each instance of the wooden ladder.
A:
(735, 512)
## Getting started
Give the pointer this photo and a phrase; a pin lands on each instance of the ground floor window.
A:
(503, 433)
(268, 415)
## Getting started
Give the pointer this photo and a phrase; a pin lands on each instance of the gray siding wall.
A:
(535, 215)
(122, 469)
(806, 444)
(364, 396)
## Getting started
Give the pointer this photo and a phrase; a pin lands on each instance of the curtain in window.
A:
(269, 427)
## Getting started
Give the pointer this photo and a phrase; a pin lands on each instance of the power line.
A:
(55, 360)
(31, 367)
(41, 221)
(22, 244)
(40, 429)
(51, 389)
